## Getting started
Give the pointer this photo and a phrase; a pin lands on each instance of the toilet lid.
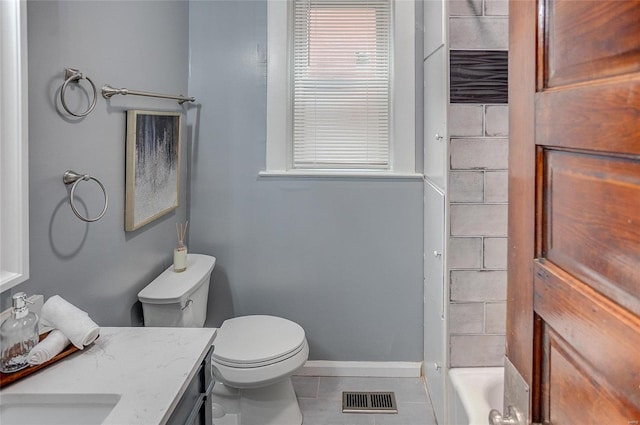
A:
(249, 340)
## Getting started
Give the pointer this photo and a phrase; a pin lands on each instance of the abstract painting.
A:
(153, 166)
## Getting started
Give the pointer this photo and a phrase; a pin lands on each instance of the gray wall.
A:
(341, 257)
(139, 45)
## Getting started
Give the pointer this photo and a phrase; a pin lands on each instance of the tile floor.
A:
(320, 400)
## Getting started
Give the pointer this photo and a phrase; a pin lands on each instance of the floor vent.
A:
(369, 402)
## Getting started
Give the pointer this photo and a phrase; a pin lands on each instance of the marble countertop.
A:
(149, 368)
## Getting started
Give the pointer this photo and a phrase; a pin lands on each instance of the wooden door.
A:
(573, 315)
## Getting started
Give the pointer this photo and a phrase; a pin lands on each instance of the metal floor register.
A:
(369, 402)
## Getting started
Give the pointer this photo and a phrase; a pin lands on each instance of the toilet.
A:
(253, 356)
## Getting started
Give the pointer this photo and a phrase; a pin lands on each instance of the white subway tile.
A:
(478, 220)
(465, 253)
(467, 318)
(495, 253)
(479, 33)
(496, 188)
(478, 285)
(465, 7)
(466, 186)
(497, 120)
(476, 350)
(495, 318)
(496, 7)
(465, 120)
(470, 154)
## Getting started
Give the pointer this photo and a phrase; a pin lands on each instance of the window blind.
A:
(341, 84)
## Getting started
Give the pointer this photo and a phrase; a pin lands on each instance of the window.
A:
(14, 183)
(341, 84)
(340, 92)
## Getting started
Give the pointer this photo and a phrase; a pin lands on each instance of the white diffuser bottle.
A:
(180, 253)
(18, 335)
(180, 259)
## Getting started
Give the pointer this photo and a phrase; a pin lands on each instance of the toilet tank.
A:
(179, 299)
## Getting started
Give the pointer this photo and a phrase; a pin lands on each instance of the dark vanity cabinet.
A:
(194, 408)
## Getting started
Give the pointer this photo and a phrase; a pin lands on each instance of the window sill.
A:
(341, 174)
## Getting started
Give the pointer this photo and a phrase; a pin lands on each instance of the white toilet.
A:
(253, 356)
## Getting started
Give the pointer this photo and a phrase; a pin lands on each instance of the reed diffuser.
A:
(180, 253)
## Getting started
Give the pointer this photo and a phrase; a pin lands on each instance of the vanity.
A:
(127, 376)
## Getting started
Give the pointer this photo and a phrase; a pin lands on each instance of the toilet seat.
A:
(255, 341)
(260, 364)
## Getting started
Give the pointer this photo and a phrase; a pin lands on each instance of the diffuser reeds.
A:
(180, 253)
(182, 232)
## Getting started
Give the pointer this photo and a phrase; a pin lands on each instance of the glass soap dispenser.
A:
(18, 335)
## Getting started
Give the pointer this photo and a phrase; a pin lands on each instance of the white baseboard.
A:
(369, 369)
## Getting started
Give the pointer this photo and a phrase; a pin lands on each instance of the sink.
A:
(56, 409)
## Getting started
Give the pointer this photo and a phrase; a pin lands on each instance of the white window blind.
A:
(341, 84)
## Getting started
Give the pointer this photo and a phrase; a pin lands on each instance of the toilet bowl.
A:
(258, 355)
(253, 356)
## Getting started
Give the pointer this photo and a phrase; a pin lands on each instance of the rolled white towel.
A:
(74, 323)
(48, 348)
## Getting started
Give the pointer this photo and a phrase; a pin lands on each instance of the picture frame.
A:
(152, 166)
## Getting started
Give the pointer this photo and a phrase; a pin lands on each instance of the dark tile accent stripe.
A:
(478, 76)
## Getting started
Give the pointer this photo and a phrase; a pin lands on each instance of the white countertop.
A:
(148, 367)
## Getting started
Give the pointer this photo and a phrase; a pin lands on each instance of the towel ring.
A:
(73, 75)
(71, 177)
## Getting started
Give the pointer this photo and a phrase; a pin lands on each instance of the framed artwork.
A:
(153, 166)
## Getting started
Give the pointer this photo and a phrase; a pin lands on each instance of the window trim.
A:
(402, 141)
(14, 179)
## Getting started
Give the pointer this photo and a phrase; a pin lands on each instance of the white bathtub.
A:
(476, 391)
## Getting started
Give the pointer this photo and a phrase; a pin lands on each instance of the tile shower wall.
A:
(478, 199)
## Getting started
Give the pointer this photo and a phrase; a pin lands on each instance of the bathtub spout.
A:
(514, 417)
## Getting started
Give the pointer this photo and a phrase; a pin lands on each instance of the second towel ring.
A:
(71, 177)
(73, 76)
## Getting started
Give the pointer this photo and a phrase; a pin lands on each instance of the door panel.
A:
(591, 221)
(567, 406)
(574, 237)
(590, 39)
(602, 118)
(578, 314)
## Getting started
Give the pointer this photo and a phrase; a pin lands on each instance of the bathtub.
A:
(476, 391)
